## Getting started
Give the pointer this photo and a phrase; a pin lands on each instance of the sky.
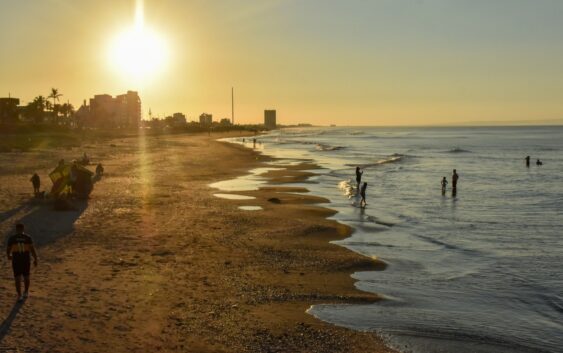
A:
(346, 62)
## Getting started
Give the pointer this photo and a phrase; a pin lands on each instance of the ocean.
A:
(479, 270)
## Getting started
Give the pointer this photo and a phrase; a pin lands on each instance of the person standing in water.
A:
(363, 195)
(444, 183)
(527, 161)
(359, 174)
(36, 181)
(19, 248)
(455, 177)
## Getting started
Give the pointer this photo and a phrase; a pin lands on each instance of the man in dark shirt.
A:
(36, 181)
(455, 177)
(19, 248)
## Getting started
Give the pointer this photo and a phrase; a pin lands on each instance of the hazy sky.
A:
(348, 62)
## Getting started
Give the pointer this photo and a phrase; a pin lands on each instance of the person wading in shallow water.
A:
(20, 246)
(527, 161)
(359, 174)
(455, 177)
(363, 195)
(444, 183)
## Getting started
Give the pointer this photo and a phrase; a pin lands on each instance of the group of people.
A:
(444, 182)
(538, 161)
(362, 189)
(36, 180)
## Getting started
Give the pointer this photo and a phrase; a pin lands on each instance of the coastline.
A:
(154, 261)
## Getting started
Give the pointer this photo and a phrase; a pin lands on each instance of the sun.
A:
(138, 53)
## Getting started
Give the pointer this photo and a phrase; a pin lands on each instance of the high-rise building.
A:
(270, 119)
(123, 111)
(9, 110)
(206, 119)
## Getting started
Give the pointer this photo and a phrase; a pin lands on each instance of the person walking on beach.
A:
(359, 174)
(444, 183)
(363, 195)
(99, 169)
(455, 177)
(18, 250)
(527, 161)
(36, 181)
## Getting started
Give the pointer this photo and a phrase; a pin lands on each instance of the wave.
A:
(394, 158)
(323, 147)
(458, 150)
(347, 186)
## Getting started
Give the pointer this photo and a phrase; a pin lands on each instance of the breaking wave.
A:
(458, 150)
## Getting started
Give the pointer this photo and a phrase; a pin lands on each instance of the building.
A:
(206, 119)
(123, 111)
(270, 119)
(225, 122)
(128, 109)
(176, 120)
(179, 118)
(9, 112)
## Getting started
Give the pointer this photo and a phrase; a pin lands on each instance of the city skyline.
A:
(353, 63)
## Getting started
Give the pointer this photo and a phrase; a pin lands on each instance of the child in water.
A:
(363, 195)
(444, 183)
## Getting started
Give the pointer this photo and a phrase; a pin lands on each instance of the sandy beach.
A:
(154, 262)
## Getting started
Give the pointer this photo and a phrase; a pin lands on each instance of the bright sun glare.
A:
(138, 53)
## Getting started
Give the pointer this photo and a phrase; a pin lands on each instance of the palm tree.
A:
(36, 109)
(55, 95)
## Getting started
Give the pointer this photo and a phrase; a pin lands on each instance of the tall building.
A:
(123, 111)
(270, 119)
(128, 109)
(206, 119)
(9, 110)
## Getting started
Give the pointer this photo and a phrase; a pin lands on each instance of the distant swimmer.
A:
(455, 177)
(36, 181)
(444, 183)
(538, 162)
(363, 195)
(359, 174)
(19, 249)
(527, 161)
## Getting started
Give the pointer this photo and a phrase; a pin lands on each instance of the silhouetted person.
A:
(455, 177)
(363, 195)
(19, 248)
(36, 181)
(527, 161)
(359, 174)
(538, 162)
(253, 143)
(444, 183)
(100, 169)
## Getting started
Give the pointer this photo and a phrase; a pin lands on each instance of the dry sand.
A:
(154, 262)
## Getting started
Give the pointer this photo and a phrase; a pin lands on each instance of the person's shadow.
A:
(46, 225)
(7, 323)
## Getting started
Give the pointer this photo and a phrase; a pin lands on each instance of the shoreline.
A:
(156, 262)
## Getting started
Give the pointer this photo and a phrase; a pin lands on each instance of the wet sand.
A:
(154, 262)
